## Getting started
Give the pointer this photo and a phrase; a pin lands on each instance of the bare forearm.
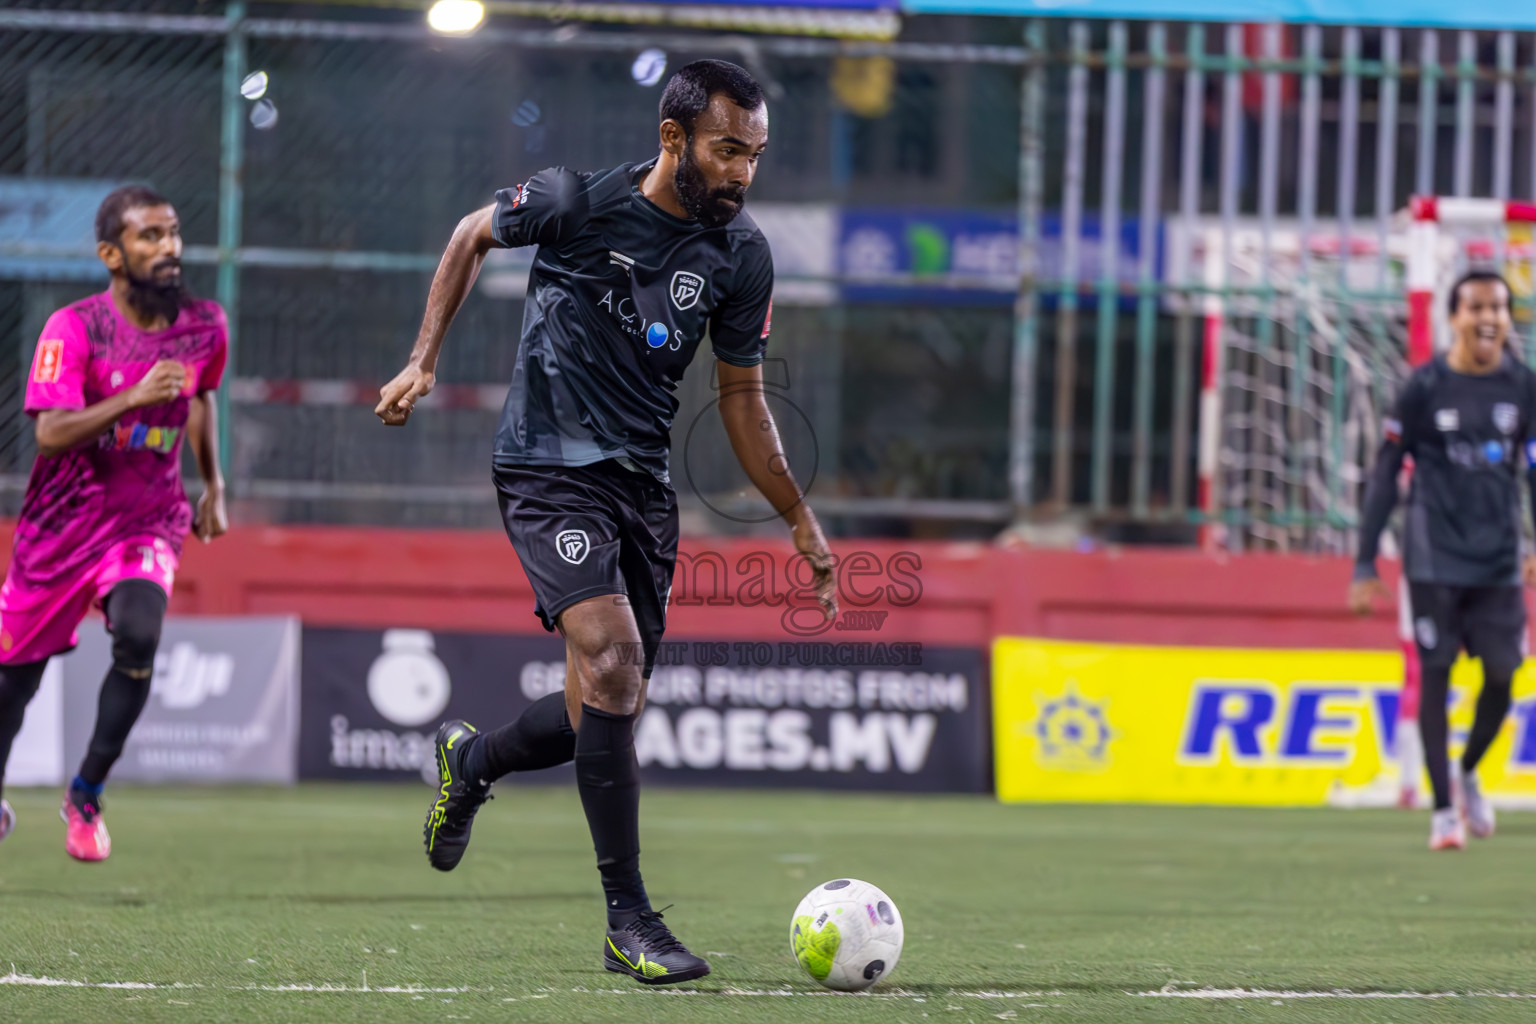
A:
(456, 274)
(755, 440)
(59, 430)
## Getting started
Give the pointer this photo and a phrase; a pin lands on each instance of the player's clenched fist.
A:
(399, 396)
(163, 383)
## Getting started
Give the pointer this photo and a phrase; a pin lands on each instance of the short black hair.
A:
(109, 215)
(688, 91)
(1453, 303)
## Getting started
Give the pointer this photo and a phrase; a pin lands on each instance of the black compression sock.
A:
(122, 700)
(540, 737)
(1492, 706)
(608, 778)
(18, 685)
(1435, 685)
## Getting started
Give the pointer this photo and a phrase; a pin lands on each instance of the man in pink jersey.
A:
(118, 382)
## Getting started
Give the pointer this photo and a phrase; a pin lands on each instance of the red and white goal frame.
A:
(1430, 217)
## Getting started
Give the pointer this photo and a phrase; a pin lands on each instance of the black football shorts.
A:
(590, 531)
(1489, 622)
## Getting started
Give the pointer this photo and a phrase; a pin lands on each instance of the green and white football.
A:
(847, 934)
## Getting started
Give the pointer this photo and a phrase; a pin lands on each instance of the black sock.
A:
(540, 737)
(608, 778)
(135, 612)
(18, 685)
(1492, 706)
(122, 699)
(1434, 689)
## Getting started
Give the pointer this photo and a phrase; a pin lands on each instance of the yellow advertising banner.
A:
(1104, 722)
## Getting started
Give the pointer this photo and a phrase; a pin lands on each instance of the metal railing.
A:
(1076, 388)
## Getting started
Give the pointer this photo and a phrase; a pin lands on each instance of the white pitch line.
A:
(1258, 993)
(26, 979)
(29, 980)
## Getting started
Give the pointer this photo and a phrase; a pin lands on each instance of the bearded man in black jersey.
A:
(634, 266)
(1466, 417)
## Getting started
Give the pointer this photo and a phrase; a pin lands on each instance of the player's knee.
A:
(19, 683)
(610, 676)
(135, 615)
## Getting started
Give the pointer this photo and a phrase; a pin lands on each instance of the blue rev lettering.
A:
(1306, 721)
(1387, 703)
(1240, 711)
(1522, 752)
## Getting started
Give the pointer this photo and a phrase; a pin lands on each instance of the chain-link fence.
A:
(991, 301)
(374, 136)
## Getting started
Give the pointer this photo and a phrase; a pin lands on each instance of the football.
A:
(846, 934)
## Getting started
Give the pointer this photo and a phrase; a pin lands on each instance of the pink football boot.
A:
(86, 835)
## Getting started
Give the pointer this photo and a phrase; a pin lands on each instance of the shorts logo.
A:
(1448, 419)
(1424, 629)
(573, 546)
(50, 361)
(1506, 417)
(686, 289)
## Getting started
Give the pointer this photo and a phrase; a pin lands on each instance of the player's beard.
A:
(157, 299)
(711, 207)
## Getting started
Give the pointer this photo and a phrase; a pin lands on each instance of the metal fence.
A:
(1004, 313)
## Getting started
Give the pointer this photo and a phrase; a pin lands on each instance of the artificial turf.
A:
(317, 904)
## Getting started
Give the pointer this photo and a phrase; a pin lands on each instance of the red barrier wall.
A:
(938, 593)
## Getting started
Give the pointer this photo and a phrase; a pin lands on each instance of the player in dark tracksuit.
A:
(1468, 419)
(635, 266)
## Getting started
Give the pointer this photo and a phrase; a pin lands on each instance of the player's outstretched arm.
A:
(1528, 563)
(456, 274)
(210, 519)
(755, 440)
(59, 430)
(1366, 589)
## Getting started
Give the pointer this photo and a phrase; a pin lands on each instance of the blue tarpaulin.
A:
(1498, 14)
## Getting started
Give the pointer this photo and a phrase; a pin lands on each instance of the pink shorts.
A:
(38, 622)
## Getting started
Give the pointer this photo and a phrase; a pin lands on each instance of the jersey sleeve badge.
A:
(50, 361)
(1392, 429)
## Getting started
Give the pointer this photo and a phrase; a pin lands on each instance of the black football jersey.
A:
(620, 295)
(1471, 442)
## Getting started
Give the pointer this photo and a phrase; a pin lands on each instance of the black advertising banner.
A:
(882, 716)
(371, 700)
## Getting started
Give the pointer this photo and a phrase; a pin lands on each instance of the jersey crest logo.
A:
(686, 289)
(50, 361)
(573, 546)
(1428, 635)
(1506, 417)
(1448, 419)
